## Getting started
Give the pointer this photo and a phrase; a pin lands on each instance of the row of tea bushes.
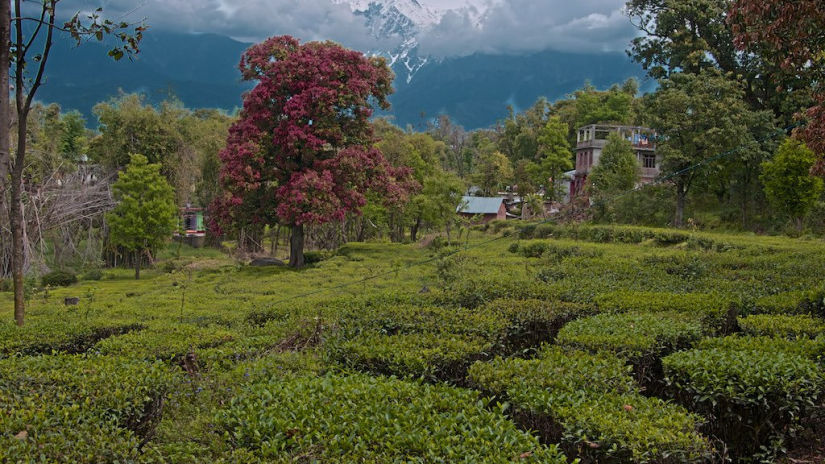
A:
(790, 326)
(624, 234)
(167, 342)
(68, 408)
(718, 313)
(367, 419)
(640, 338)
(437, 343)
(590, 404)
(755, 398)
(71, 335)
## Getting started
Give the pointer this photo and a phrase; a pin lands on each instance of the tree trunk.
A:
(414, 229)
(137, 266)
(681, 194)
(5, 138)
(296, 246)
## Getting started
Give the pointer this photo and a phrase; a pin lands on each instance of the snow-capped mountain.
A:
(397, 24)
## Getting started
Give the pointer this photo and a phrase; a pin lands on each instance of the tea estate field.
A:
(542, 343)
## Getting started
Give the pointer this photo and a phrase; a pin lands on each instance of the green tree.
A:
(617, 170)
(555, 156)
(145, 215)
(697, 117)
(493, 170)
(789, 185)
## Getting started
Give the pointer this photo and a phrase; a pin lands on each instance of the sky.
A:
(462, 27)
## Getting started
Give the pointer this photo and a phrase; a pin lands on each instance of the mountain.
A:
(201, 71)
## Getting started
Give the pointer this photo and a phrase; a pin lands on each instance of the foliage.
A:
(554, 157)
(617, 170)
(359, 418)
(754, 399)
(145, 215)
(789, 185)
(86, 410)
(813, 349)
(58, 279)
(300, 152)
(589, 403)
(698, 116)
(782, 325)
(494, 170)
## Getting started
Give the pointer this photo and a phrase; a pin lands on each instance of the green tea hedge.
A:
(366, 419)
(754, 399)
(787, 326)
(641, 338)
(718, 312)
(429, 356)
(67, 408)
(531, 322)
(794, 302)
(813, 349)
(71, 335)
(169, 342)
(591, 406)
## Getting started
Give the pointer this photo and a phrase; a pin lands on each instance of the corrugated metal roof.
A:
(479, 205)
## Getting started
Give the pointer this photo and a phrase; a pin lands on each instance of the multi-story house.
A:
(591, 141)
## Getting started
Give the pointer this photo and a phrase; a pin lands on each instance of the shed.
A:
(487, 208)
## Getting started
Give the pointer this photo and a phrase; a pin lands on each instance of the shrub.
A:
(92, 274)
(58, 279)
(782, 326)
(529, 323)
(533, 249)
(718, 313)
(813, 349)
(590, 405)
(168, 342)
(6, 285)
(475, 291)
(365, 419)
(795, 302)
(429, 356)
(314, 257)
(753, 398)
(641, 338)
(66, 409)
(65, 336)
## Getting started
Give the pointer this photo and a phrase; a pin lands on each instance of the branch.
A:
(44, 57)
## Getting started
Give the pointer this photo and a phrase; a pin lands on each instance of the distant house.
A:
(486, 208)
(592, 139)
(193, 231)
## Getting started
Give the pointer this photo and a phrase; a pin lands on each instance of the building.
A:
(193, 231)
(486, 208)
(591, 140)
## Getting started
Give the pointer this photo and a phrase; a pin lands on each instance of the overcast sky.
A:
(492, 26)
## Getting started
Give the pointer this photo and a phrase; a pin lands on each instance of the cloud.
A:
(522, 26)
(467, 27)
(248, 20)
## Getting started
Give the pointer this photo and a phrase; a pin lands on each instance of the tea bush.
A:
(168, 342)
(67, 408)
(754, 399)
(782, 326)
(366, 419)
(813, 349)
(794, 302)
(58, 279)
(72, 335)
(641, 338)
(718, 312)
(591, 406)
(429, 356)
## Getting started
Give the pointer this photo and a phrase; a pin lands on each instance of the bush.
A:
(6, 285)
(365, 419)
(168, 342)
(314, 257)
(63, 336)
(795, 302)
(475, 291)
(641, 338)
(428, 356)
(58, 279)
(92, 274)
(591, 406)
(65, 409)
(813, 349)
(754, 399)
(533, 249)
(718, 313)
(782, 326)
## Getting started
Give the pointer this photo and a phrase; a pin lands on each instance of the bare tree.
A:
(22, 49)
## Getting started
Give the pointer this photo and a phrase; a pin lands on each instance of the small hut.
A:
(192, 230)
(486, 208)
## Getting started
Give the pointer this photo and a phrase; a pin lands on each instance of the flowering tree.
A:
(790, 34)
(300, 151)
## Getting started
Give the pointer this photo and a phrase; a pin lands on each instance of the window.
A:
(649, 160)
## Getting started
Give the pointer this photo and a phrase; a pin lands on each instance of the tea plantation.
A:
(536, 343)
